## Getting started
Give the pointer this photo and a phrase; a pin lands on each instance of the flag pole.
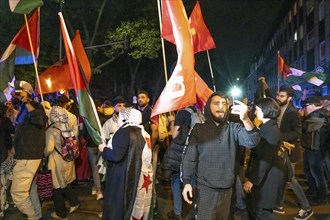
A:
(278, 70)
(32, 52)
(210, 65)
(162, 40)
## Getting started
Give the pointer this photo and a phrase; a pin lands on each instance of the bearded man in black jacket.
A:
(210, 156)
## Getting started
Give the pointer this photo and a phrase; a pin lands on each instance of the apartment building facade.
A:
(303, 40)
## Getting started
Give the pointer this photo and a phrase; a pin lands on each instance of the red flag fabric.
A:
(283, 69)
(20, 44)
(167, 32)
(203, 92)
(87, 108)
(180, 90)
(202, 39)
(200, 34)
(56, 79)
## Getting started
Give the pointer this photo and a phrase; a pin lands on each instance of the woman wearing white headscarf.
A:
(63, 172)
(128, 189)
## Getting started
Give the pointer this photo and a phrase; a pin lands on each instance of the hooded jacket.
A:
(210, 154)
(316, 130)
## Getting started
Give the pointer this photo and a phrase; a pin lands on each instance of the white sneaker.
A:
(99, 196)
(304, 214)
(94, 191)
(100, 214)
(74, 208)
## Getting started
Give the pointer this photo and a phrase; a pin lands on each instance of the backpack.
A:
(69, 146)
(320, 138)
(196, 117)
(162, 127)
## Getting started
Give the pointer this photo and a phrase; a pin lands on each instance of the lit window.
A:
(295, 36)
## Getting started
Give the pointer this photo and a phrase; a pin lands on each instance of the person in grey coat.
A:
(267, 170)
(210, 156)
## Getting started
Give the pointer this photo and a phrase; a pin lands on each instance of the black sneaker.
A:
(279, 210)
(171, 215)
(304, 214)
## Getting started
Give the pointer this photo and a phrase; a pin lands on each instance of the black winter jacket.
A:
(30, 137)
(173, 155)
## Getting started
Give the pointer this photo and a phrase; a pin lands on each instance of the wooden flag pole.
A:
(210, 65)
(162, 40)
(34, 60)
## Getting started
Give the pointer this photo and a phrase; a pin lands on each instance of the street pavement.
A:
(90, 207)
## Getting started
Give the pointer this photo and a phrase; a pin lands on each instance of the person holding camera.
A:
(29, 145)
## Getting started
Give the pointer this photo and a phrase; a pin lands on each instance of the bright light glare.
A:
(49, 83)
(235, 91)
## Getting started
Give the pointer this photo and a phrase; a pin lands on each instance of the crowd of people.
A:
(219, 159)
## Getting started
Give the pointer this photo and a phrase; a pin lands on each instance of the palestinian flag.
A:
(24, 6)
(19, 52)
(296, 81)
(87, 108)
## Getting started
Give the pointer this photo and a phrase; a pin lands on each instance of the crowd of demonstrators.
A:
(195, 154)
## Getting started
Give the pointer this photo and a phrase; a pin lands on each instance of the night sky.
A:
(239, 28)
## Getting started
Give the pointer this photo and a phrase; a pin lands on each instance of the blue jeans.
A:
(314, 162)
(176, 193)
(297, 190)
(92, 156)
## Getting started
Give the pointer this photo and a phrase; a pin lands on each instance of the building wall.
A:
(302, 39)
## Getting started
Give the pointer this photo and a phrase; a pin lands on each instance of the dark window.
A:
(310, 60)
(321, 31)
(310, 22)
